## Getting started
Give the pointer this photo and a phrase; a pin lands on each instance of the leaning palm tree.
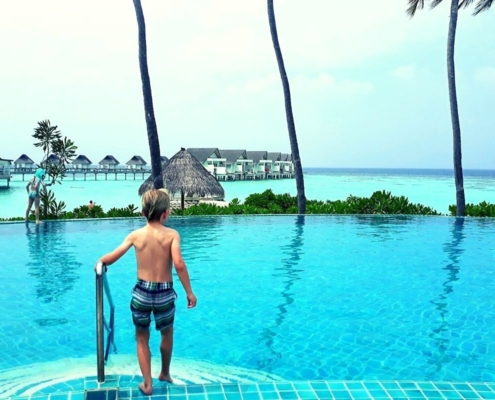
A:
(482, 5)
(154, 143)
(301, 196)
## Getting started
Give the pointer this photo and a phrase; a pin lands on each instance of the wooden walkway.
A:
(138, 174)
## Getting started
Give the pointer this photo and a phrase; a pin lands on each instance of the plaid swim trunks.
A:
(156, 297)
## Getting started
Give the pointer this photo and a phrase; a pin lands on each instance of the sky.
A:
(369, 84)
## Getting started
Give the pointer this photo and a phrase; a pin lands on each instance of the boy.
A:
(157, 247)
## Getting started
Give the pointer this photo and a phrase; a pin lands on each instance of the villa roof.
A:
(285, 157)
(202, 154)
(23, 159)
(256, 156)
(4, 159)
(81, 159)
(109, 160)
(185, 174)
(233, 155)
(274, 156)
(136, 160)
(54, 159)
(164, 160)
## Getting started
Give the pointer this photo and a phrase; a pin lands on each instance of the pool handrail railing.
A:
(103, 289)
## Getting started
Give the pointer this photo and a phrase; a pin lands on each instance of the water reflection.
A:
(383, 228)
(51, 263)
(290, 273)
(454, 251)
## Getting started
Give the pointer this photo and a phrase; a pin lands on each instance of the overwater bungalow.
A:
(164, 160)
(260, 163)
(286, 166)
(24, 163)
(212, 160)
(109, 162)
(237, 165)
(275, 158)
(136, 162)
(54, 159)
(81, 162)
(5, 165)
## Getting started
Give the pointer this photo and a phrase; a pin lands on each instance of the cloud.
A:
(405, 72)
(485, 75)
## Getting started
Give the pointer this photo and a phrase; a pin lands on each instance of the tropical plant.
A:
(413, 6)
(153, 141)
(58, 152)
(296, 159)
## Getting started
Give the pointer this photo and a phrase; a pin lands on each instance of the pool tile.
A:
(397, 394)
(251, 395)
(284, 386)
(451, 394)
(215, 396)
(391, 385)
(319, 385)
(354, 385)
(300, 386)
(469, 394)
(266, 387)
(195, 389)
(377, 393)
(289, 395)
(233, 396)
(248, 388)
(270, 396)
(213, 389)
(360, 394)
(196, 396)
(307, 395)
(177, 389)
(487, 395)
(336, 385)
(444, 386)
(340, 395)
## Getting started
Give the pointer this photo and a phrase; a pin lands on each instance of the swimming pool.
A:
(279, 298)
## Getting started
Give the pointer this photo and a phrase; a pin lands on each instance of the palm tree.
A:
(482, 5)
(154, 143)
(301, 197)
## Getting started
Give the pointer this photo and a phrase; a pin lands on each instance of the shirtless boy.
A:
(157, 248)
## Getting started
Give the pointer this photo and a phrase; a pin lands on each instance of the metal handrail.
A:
(103, 288)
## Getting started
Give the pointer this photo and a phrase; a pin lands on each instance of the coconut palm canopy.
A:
(184, 173)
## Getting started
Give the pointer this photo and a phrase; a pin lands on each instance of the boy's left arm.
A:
(110, 258)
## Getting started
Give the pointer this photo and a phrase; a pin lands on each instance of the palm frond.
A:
(483, 5)
(435, 3)
(413, 6)
(465, 3)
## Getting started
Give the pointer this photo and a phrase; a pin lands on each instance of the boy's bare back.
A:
(157, 247)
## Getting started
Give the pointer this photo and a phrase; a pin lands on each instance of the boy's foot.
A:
(147, 390)
(165, 378)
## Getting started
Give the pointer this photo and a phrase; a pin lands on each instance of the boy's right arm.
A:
(110, 258)
(180, 267)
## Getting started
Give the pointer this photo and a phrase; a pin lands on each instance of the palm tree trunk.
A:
(154, 143)
(454, 112)
(301, 196)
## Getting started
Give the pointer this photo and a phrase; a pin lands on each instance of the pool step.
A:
(102, 394)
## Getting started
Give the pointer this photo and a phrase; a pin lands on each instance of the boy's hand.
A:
(191, 300)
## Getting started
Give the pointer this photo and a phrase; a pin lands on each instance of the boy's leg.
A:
(166, 346)
(144, 358)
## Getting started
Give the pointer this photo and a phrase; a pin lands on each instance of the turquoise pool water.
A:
(279, 298)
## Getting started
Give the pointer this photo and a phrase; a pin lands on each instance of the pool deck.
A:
(125, 387)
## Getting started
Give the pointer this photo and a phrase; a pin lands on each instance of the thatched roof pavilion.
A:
(24, 159)
(136, 160)
(184, 174)
(81, 159)
(109, 160)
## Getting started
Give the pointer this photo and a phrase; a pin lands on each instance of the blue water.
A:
(431, 187)
(353, 297)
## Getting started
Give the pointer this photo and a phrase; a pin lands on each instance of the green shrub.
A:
(482, 209)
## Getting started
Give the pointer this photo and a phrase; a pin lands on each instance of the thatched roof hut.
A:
(136, 160)
(109, 160)
(24, 159)
(184, 174)
(81, 159)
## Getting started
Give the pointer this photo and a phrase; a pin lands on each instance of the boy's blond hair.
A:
(154, 203)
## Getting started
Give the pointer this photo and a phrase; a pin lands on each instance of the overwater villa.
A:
(237, 164)
(24, 163)
(54, 159)
(109, 162)
(164, 160)
(136, 162)
(81, 162)
(243, 164)
(5, 165)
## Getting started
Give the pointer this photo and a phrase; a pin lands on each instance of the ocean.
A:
(431, 187)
